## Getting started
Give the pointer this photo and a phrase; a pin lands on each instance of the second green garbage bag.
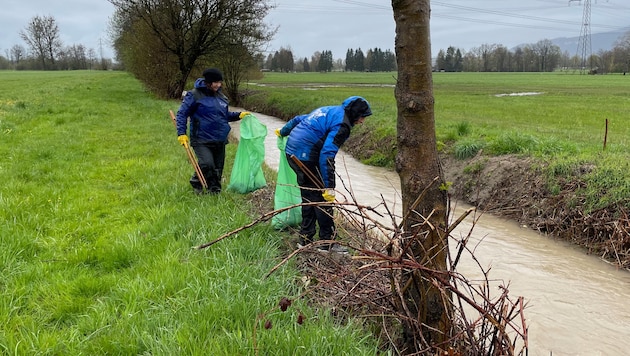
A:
(247, 174)
(287, 193)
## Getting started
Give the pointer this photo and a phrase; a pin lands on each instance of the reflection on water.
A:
(577, 304)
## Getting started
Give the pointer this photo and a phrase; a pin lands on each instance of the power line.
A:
(509, 24)
(513, 15)
(502, 13)
(449, 17)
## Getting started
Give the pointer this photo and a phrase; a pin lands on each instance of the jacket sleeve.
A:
(229, 115)
(184, 112)
(334, 140)
(288, 127)
(233, 116)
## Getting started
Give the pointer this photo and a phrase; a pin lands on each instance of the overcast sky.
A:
(80, 22)
(306, 26)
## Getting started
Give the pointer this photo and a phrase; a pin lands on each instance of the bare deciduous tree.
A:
(42, 36)
(418, 166)
(17, 53)
(185, 34)
(548, 55)
(237, 63)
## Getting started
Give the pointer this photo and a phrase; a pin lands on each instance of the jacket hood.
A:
(200, 83)
(356, 107)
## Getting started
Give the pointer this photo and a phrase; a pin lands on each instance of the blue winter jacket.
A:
(317, 137)
(209, 115)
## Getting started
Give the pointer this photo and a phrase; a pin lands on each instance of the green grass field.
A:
(97, 228)
(562, 120)
(98, 220)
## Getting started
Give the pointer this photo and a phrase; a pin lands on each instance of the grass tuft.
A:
(513, 143)
(467, 148)
(463, 128)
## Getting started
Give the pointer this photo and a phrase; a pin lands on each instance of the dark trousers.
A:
(211, 158)
(312, 193)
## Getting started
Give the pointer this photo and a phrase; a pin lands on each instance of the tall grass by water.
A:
(97, 228)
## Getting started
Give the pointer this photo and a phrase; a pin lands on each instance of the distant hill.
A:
(599, 41)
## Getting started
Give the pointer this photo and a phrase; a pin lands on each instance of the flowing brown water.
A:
(577, 304)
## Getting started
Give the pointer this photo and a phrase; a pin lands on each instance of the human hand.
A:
(183, 140)
(329, 195)
(243, 114)
(278, 133)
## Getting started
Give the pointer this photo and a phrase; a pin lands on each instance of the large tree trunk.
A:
(418, 166)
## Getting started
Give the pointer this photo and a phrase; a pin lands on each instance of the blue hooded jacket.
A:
(209, 115)
(317, 137)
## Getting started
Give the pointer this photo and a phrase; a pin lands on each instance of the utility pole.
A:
(584, 48)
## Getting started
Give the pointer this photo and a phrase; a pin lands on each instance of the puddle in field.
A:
(519, 94)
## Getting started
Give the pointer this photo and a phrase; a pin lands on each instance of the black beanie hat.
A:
(212, 75)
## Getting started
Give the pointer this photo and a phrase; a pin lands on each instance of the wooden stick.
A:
(192, 158)
(308, 172)
(173, 118)
(606, 135)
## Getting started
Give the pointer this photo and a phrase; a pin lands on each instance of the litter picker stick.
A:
(192, 158)
(193, 161)
(173, 118)
(308, 172)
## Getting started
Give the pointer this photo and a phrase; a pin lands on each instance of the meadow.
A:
(98, 229)
(561, 119)
(99, 223)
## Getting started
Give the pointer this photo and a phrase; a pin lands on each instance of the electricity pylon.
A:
(584, 48)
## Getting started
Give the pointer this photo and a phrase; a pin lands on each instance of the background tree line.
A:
(44, 50)
(376, 60)
(542, 56)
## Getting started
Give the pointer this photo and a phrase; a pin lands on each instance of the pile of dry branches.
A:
(486, 320)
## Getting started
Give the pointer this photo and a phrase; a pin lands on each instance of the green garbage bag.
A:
(247, 174)
(287, 193)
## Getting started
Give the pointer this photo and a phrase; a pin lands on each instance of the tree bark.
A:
(418, 166)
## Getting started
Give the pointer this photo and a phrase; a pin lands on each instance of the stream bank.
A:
(515, 187)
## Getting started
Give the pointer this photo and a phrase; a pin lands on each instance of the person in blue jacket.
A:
(209, 114)
(313, 142)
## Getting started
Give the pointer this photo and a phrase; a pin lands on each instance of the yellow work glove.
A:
(183, 140)
(243, 114)
(329, 195)
(278, 133)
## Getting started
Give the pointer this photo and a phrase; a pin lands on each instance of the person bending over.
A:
(313, 142)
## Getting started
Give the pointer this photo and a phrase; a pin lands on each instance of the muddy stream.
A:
(577, 304)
